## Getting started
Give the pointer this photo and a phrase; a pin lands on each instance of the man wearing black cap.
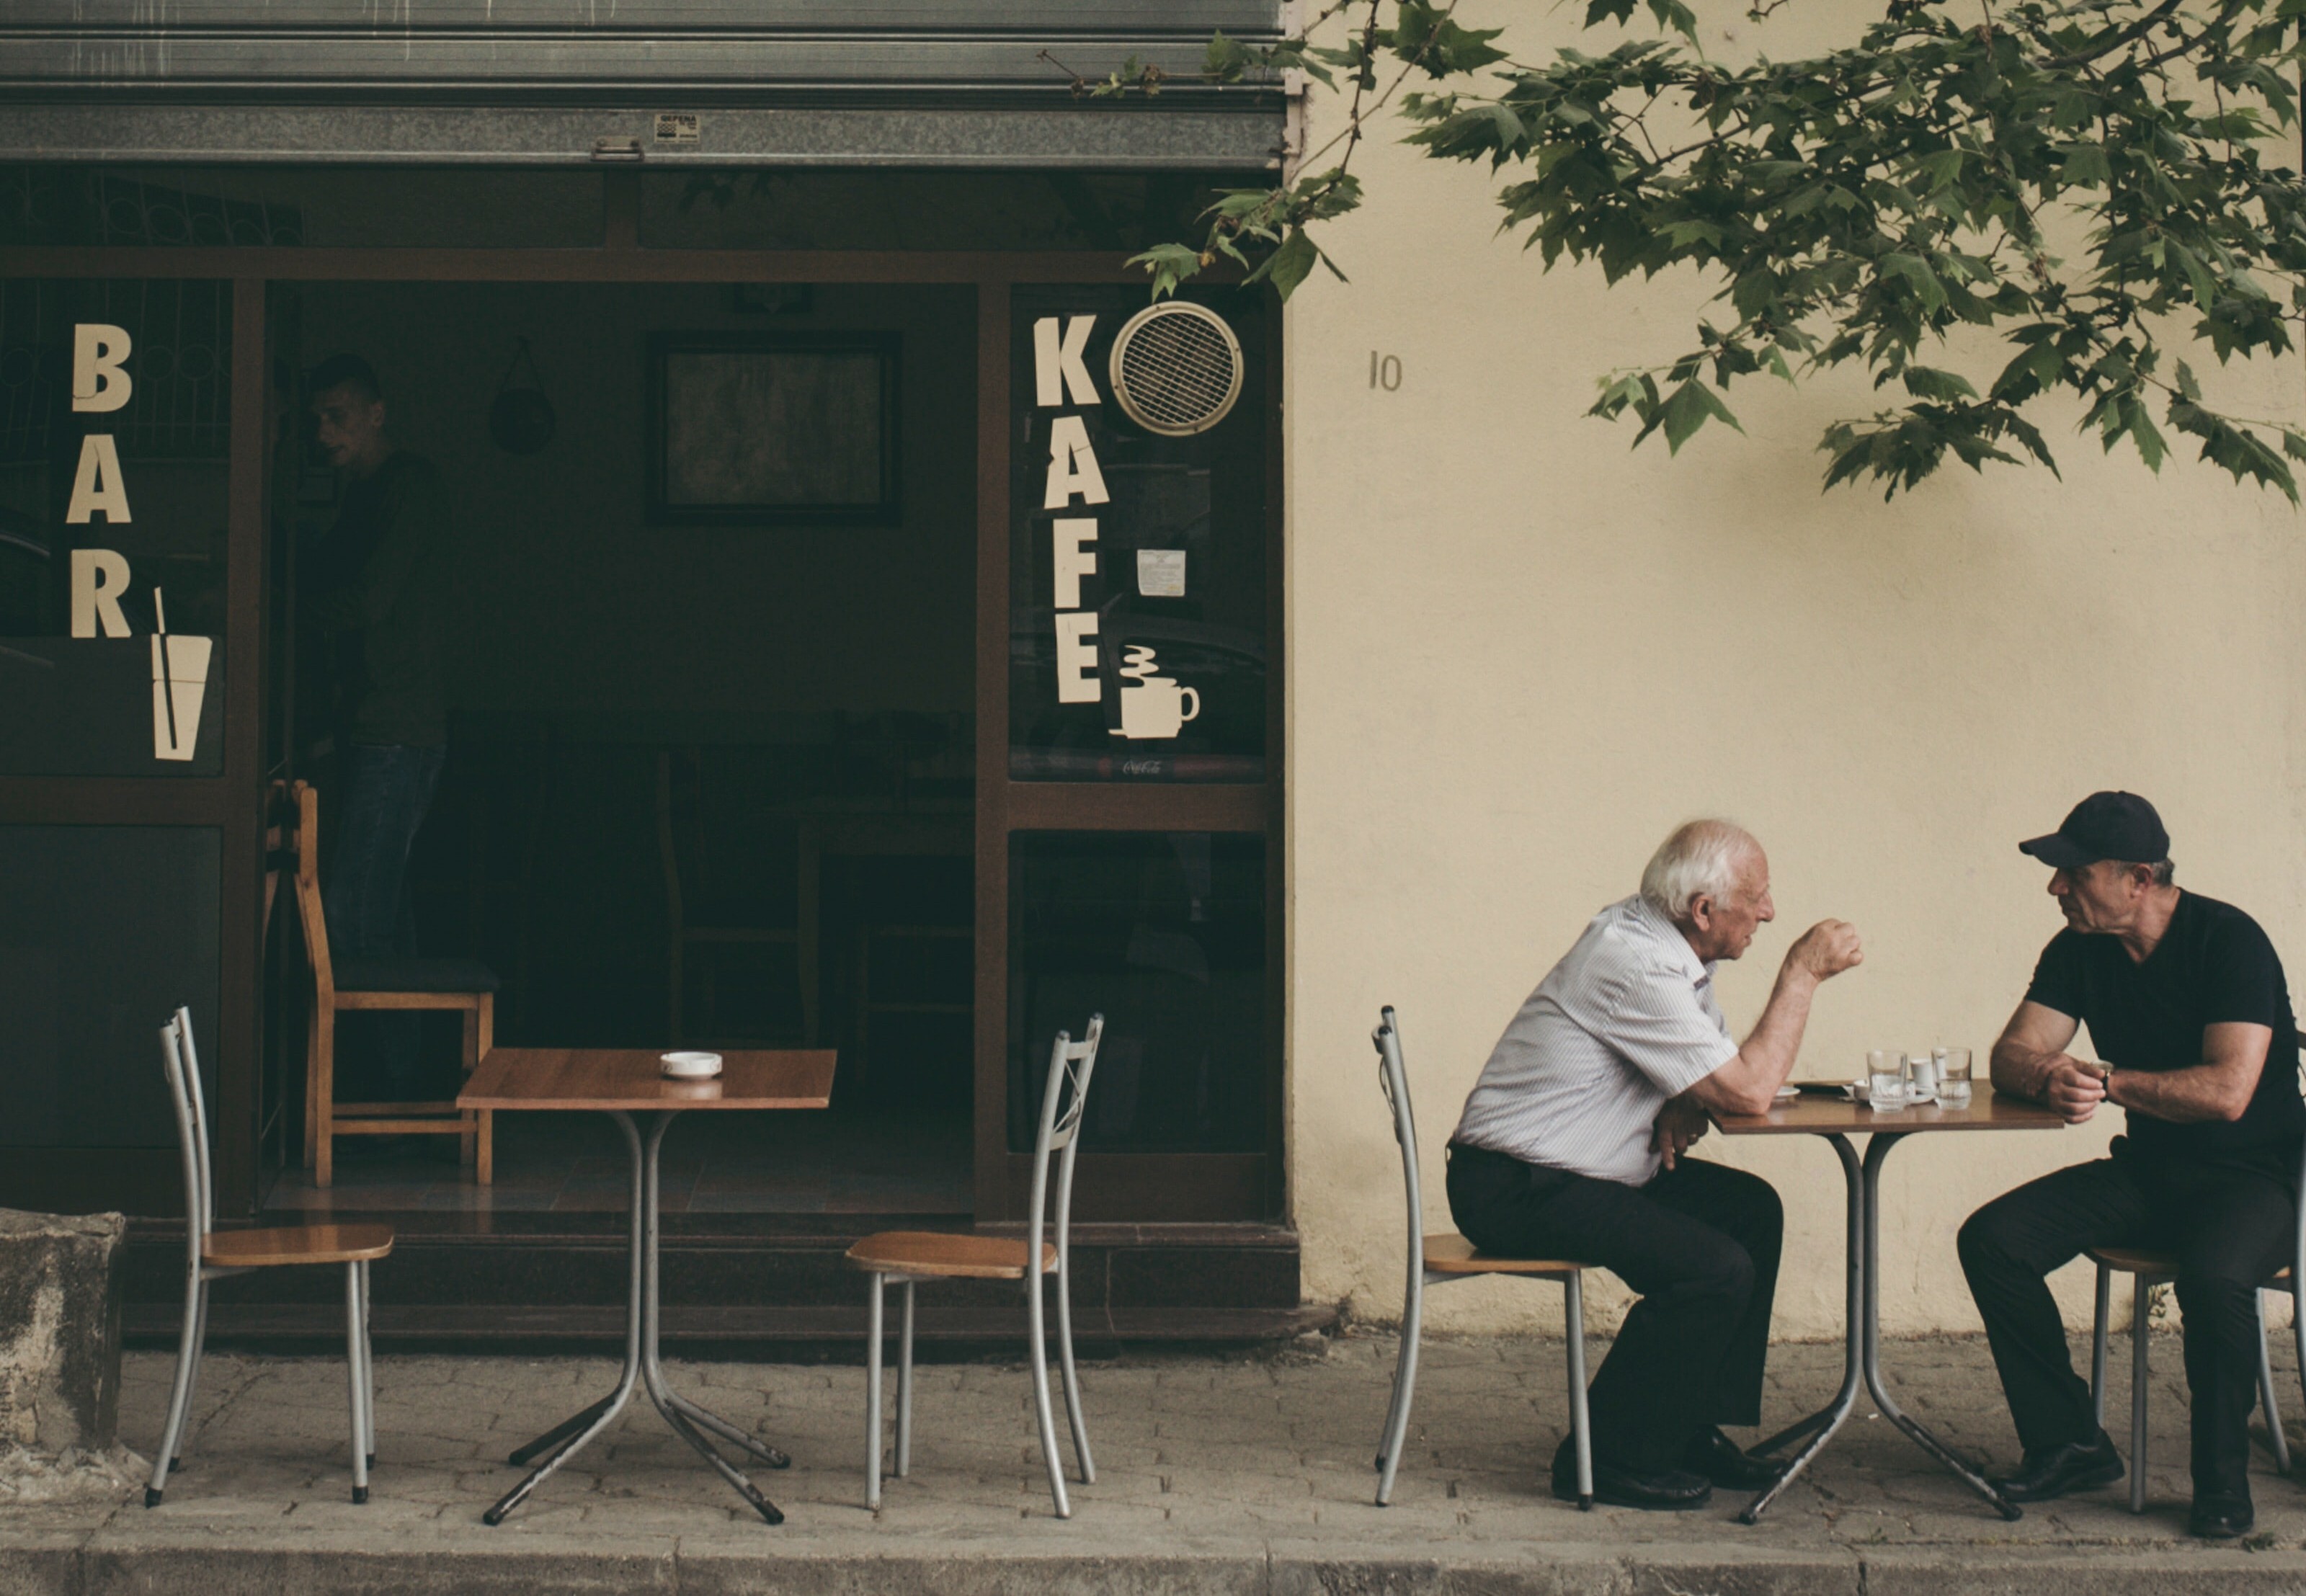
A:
(2187, 1005)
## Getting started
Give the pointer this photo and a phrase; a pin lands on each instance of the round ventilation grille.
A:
(1176, 368)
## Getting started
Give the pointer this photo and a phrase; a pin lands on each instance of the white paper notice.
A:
(1161, 573)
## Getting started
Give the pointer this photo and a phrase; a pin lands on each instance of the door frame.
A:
(1159, 1187)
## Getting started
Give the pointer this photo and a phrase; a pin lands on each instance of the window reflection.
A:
(1165, 935)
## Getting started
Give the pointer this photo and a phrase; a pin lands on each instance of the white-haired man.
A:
(1571, 1147)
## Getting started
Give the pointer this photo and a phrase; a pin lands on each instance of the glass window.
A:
(103, 930)
(116, 428)
(1137, 560)
(1165, 935)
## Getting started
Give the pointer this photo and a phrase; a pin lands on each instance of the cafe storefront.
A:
(868, 625)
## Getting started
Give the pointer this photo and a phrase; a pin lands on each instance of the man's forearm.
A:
(1776, 1038)
(2023, 1071)
(2195, 1095)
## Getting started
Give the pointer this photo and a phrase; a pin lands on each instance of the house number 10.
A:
(1385, 370)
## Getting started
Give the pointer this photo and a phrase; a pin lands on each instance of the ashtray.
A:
(690, 1066)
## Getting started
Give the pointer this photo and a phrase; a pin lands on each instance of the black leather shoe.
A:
(1664, 1490)
(2052, 1471)
(2221, 1517)
(1721, 1460)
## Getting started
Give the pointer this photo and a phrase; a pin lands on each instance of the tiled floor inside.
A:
(733, 1164)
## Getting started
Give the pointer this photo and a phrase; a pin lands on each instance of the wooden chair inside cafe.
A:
(461, 986)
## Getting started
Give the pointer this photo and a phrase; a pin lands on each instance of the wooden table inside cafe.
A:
(1825, 1110)
(621, 1083)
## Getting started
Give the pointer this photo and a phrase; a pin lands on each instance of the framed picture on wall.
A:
(772, 429)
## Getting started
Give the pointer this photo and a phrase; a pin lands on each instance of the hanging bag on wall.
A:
(521, 419)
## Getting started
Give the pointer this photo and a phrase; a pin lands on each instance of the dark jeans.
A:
(2231, 1228)
(387, 789)
(1700, 1243)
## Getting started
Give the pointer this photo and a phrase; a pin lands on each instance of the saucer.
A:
(690, 1066)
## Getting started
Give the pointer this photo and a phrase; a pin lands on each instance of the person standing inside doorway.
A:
(385, 583)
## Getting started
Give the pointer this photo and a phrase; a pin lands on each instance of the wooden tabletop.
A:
(630, 1078)
(1816, 1115)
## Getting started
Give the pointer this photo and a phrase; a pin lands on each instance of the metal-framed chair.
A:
(2149, 1269)
(211, 1255)
(1439, 1258)
(904, 1258)
(463, 985)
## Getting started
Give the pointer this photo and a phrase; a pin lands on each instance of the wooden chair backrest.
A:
(304, 820)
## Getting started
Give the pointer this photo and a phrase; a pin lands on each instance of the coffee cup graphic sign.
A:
(180, 682)
(1153, 707)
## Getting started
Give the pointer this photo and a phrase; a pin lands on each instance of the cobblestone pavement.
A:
(1249, 1472)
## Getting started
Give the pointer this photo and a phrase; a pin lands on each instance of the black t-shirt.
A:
(2212, 964)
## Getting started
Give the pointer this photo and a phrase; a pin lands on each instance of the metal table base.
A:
(642, 1366)
(1861, 1358)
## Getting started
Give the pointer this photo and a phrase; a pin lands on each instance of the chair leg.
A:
(192, 1385)
(2298, 1322)
(2277, 1442)
(485, 1161)
(1581, 1431)
(1072, 1378)
(180, 1393)
(2098, 1347)
(905, 1385)
(312, 1087)
(368, 1359)
(324, 1089)
(468, 1122)
(873, 1393)
(356, 1380)
(1036, 1332)
(1404, 1389)
(2141, 1336)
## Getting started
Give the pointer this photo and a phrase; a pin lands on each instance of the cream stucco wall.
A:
(1520, 654)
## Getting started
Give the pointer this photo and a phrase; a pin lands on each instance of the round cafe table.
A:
(1833, 1116)
(623, 1083)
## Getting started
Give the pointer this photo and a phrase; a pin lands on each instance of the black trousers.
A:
(2230, 1228)
(1700, 1243)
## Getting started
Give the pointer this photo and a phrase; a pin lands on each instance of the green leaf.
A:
(1688, 408)
(1289, 265)
(2085, 166)
(1942, 168)
(1224, 61)
(1928, 382)
(1916, 271)
(1169, 264)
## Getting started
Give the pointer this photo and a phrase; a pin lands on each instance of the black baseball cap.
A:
(2104, 825)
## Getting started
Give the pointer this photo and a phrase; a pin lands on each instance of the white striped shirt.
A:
(1626, 1020)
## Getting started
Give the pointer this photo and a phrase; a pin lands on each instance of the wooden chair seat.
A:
(2139, 1260)
(1450, 1253)
(945, 1254)
(2134, 1261)
(296, 1244)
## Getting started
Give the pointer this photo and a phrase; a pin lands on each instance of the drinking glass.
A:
(1922, 1087)
(1953, 1078)
(1885, 1080)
